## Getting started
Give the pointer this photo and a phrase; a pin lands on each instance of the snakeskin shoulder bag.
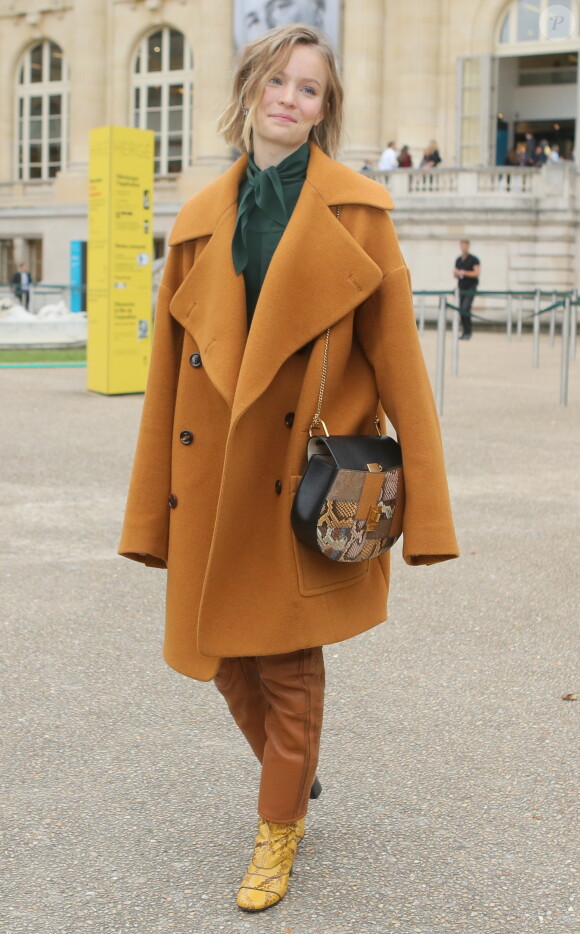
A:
(350, 501)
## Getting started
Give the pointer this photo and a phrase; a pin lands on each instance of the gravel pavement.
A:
(449, 760)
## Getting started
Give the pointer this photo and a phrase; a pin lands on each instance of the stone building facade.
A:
(474, 77)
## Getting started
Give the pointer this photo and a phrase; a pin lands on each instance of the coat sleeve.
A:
(387, 332)
(145, 531)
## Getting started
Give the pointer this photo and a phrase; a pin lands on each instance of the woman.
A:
(260, 266)
(431, 157)
(405, 158)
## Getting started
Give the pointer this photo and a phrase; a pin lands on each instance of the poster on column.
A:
(252, 18)
(119, 260)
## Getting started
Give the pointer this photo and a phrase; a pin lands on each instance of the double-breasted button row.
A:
(278, 487)
(289, 419)
(172, 501)
(195, 360)
(186, 437)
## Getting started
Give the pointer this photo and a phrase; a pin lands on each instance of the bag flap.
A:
(356, 452)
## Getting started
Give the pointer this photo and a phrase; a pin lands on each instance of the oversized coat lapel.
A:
(210, 303)
(317, 275)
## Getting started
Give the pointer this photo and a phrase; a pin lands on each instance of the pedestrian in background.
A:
(405, 159)
(21, 282)
(388, 159)
(512, 157)
(539, 158)
(529, 149)
(431, 157)
(285, 244)
(466, 272)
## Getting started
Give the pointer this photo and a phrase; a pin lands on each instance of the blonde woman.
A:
(431, 157)
(260, 266)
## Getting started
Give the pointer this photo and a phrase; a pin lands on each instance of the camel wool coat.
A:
(224, 427)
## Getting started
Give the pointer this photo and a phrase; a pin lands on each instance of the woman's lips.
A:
(284, 117)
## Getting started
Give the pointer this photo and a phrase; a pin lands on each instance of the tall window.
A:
(163, 97)
(42, 111)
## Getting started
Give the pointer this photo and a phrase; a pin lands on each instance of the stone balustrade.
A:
(409, 186)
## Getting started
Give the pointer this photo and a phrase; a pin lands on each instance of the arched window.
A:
(539, 21)
(163, 97)
(42, 112)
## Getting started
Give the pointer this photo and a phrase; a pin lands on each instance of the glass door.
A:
(476, 93)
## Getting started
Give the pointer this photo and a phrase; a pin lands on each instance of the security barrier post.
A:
(573, 323)
(422, 303)
(553, 320)
(455, 338)
(520, 316)
(565, 364)
(536, 321)
(440, 370)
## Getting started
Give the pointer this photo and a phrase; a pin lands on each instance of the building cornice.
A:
(11, 9)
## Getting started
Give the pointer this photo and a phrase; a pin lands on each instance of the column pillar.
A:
(87, 63)
(88, 89)
(412, 76)
(577, 121)
(362, 72)
(19, 254)
(212, 69)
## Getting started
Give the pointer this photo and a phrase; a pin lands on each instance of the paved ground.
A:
(450, 760)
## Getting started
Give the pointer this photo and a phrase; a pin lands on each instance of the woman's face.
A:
(292, 103)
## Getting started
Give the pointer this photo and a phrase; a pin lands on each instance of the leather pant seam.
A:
(307, 721)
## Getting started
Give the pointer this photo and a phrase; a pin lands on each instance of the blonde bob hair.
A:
(257, 63)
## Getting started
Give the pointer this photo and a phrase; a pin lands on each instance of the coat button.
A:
(195, 359)
(172, 501)
(186, 437)
(278, 487)
(289, 419)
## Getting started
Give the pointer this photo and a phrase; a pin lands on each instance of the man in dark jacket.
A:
(467, 274)
(21, 282)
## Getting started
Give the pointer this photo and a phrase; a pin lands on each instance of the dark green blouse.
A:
(266, 200)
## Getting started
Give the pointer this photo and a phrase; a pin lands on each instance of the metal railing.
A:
(552, 303)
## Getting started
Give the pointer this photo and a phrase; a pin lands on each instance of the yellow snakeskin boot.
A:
(266, 880)
(300, 827)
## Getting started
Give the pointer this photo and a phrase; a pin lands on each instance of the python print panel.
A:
(357, 517)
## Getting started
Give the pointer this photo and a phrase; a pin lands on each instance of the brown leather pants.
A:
(277, 702)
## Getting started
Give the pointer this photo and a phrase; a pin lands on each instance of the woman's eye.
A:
(310, 90)
(274, 81)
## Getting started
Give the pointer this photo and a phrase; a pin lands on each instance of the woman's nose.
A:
(287, 97)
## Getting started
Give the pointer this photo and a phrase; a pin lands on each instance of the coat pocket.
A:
(317, 574)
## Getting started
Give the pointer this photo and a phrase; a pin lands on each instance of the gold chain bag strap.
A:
(350, 501)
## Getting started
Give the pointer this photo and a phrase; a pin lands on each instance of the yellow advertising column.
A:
(119, 259)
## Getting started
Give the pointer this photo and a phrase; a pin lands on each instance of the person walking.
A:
(467, 269)
(21, 282)
(285, 244)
